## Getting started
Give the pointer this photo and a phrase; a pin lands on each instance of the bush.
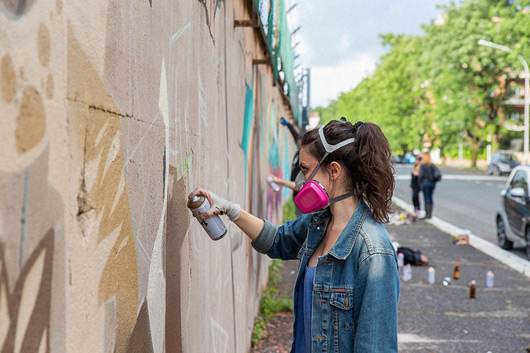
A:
(271, 303)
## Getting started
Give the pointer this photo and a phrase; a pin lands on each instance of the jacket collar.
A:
(344, 245)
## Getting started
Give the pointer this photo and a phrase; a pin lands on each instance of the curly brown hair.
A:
(367, 161)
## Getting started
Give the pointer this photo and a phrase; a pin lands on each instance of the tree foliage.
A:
(442, 86)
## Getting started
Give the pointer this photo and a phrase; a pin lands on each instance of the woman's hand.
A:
(219, 206)
(273, 179)
(249, 224)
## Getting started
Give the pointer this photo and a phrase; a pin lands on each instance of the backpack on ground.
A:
(415, 258)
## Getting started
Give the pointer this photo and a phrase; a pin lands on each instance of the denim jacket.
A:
(356, 285)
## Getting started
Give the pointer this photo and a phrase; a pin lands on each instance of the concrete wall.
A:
(111, 112)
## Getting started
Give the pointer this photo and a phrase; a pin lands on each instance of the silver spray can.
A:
(401, 260)
(214, 226)
(430, 275)
(489, 279)
(275, 187)
(407, 273)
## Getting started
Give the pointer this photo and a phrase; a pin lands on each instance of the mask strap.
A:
(318, 166)
(340, 198)
(329, 148)
(332, 148)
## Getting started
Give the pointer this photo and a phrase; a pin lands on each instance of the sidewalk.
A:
(435, 318)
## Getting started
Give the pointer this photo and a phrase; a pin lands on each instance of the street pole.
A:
(526, 93)
(526, 103)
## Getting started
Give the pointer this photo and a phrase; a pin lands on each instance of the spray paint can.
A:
(401, 260)
(489, 279)
(214, 226)
(407, 273)
(456, 273)
(472, 289)
(275, 187)
(430, 275)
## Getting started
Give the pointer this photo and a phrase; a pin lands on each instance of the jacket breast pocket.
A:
(343, 325)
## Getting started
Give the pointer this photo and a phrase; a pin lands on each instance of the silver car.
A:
(513, 217)
(502, 162)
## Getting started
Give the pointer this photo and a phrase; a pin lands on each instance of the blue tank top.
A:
(303, 312)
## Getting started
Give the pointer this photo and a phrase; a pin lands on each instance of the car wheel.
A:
(497, 171)
(502, 240)
(527, 238)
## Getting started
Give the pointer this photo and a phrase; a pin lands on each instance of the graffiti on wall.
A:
(210, 10)
(32, 239)
(103, 198)
(16, 7)
(107, 146)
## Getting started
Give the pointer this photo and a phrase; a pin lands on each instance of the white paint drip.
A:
(217, 330)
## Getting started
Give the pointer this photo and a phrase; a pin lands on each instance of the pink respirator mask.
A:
(312, 196)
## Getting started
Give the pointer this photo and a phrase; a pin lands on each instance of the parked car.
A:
(409, 158)
(397, 158)
(502, 162)
(513, 217)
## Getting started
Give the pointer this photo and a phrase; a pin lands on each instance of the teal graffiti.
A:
(249, 116)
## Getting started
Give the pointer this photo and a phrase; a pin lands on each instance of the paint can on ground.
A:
(407, 272)
(401, 260)
(430, 275)
(214, 226)
(489, 279)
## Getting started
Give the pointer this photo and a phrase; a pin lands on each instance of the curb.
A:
(516, 263)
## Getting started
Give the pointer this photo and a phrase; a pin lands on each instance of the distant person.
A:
(427, 182)
(282, 182)
(415, 185)
(295, 167)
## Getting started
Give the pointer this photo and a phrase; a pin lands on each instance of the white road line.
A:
(457, 177)
(515, 262)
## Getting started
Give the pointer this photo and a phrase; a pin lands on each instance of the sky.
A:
(339, 39)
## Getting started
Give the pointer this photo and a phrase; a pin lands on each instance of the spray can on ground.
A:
(214, 226)
(489, 279)
(472, 289)
(430, 275)
(275, 187)
(407, 273)
(456, 273)
(401, 260)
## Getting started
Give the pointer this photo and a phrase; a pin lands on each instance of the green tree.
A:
(443, 87)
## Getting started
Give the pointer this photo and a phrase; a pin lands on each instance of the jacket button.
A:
(318, 228)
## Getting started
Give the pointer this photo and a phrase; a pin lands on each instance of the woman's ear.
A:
(335, 170)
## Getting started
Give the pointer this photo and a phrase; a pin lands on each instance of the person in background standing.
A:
(295, 167)
(415, 185)
(427, 182)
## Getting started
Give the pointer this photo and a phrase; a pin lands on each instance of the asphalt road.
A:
(465, 198)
